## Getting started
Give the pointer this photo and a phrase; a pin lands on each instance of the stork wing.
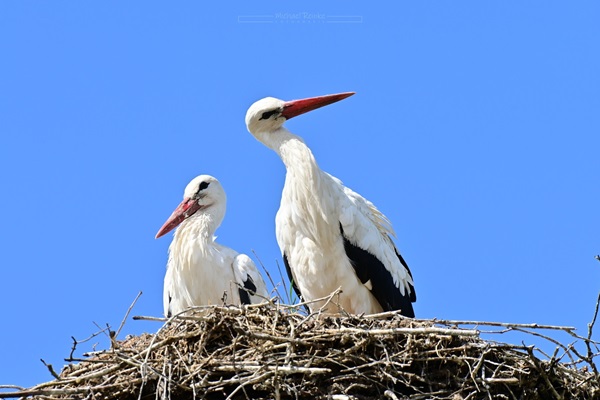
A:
(376, 261)
(254, 289)
(291, 277)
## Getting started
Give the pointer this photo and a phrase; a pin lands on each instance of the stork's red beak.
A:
(294, 108)
(186, 209)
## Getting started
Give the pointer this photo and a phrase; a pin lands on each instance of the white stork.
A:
(330, 236)
(200, 271)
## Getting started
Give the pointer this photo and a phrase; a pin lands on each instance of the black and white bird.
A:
(330, 236)
(200, 271)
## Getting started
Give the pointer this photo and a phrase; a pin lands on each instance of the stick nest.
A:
(269, 352)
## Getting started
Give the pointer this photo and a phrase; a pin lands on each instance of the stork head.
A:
(203, 195)
(268, 114)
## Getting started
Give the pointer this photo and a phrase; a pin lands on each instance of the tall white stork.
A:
(200, 271)
(330, 236)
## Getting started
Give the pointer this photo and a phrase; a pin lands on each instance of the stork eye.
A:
(203, 186)
(268, 114)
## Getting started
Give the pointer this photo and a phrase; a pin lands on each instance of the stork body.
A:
(200, 271)
(330, 237)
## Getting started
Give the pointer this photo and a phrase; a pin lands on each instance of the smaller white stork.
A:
(200, 271)
(330, 236)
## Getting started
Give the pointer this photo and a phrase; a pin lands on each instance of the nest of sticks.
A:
(271, 351)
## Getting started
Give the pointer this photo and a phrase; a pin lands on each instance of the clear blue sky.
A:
(475, 129)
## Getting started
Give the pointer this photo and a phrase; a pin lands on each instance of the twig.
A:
(503, 324)
(249, 382)
(387, 314)
(545, 337)
(407, 331)
(590, 353)
(107, 331)
(50, 369)
(541, 370)
(306, 303)
(76, 342)
(281, 369)
(266, 271)
(285, 288)
(127, 314)
(12, 387)
(146, 318)
(390, 394)
(46, 392)
(509, 381)
(591, 324)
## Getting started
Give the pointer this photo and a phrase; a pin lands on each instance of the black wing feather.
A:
(413, 293)
(292, 281)
(169, 315)
(291, 277)
(370, 268)
(248, 290)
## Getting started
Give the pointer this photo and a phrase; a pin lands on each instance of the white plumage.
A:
(200, 271)
(330, 236)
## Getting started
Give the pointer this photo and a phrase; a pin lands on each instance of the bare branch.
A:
(50, 369)
(127, 315)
